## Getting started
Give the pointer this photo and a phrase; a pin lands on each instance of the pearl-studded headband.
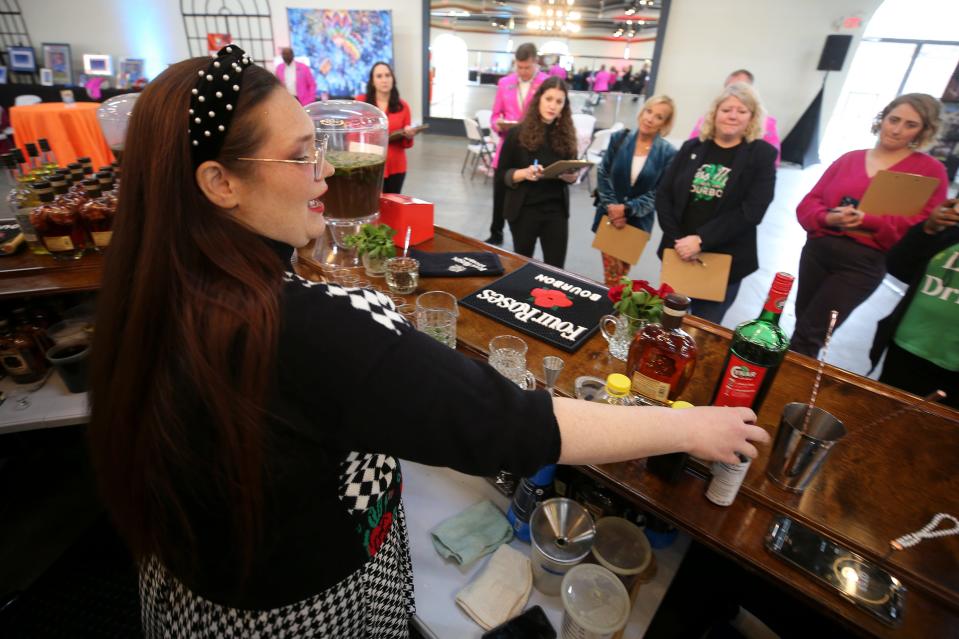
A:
(213, 101)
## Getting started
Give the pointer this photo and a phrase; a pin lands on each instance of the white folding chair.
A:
(26, 99)
(584, 124)
(595, 152)
(484, 118)
(477, 147)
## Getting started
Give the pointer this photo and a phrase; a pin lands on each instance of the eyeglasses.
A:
(319, 155)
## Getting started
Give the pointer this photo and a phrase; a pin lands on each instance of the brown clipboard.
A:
(396, 135)
(560, 167)
(895, 193)
(702, 279)
(626, 244)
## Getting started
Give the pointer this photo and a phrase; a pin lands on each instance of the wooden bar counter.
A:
(879, 482)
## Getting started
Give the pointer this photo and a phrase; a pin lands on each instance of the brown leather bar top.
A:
(880, 481)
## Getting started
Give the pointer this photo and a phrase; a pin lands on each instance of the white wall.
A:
(153, 30)
(778, 40)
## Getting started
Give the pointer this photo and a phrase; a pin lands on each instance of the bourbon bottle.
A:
(97, 215)
(662, 357)
(57, 226)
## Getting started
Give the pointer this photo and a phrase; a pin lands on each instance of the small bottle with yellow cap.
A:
(617, 391)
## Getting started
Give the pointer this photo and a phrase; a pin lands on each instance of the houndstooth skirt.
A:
(376, 601)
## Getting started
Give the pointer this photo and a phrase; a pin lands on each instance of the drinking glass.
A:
(438, 324)
(408, 311)
(507, 354)
(402, 274)
(437, 301)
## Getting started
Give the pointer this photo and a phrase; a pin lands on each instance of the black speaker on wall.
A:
(834, 52)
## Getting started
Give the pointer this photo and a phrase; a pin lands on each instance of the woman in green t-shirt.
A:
(920, 337)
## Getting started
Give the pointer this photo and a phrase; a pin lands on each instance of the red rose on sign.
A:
(378, 535)
(550, 298)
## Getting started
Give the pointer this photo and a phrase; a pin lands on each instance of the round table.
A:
(71, 129)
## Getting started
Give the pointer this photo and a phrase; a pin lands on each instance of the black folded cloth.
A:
(457, 264)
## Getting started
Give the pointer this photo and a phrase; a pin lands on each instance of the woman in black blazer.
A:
(716, 190)
(535, 208)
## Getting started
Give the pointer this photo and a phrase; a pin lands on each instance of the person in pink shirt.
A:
(557, 71)
(769, 126)
(513, 95)
(601, 80)
(296, 77)
(844, 259)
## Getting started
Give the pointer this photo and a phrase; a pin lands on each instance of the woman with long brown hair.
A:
(232, 433)
(538, 209)
(381, 92)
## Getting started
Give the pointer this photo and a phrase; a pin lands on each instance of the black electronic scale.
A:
(853, 576)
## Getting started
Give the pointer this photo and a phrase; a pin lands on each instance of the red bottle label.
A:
(776, 301)
(740, 383)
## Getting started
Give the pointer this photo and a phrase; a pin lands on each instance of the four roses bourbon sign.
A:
(556, 307)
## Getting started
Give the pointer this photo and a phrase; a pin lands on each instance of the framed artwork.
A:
(21, 60)
(3, 75)
(342, 45)
(46, 77)
(58, 59)
(131, 70)
(97, 64)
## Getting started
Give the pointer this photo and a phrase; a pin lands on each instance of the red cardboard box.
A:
(402, 211)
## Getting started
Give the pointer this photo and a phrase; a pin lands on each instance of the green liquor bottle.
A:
(757, 349)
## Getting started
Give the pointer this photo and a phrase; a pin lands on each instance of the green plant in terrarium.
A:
(374, 241)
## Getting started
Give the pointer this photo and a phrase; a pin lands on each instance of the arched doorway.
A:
(450, 71)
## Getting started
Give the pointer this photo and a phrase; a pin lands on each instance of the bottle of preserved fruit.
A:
(755, 353)
(662, 357)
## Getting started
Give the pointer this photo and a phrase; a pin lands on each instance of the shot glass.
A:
(402, 275)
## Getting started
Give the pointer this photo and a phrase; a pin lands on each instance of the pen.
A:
(701, 263)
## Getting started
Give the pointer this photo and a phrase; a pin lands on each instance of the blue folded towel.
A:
(477, 531)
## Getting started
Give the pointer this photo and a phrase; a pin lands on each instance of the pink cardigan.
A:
(305, 84)
(847, 176)
(506, 103)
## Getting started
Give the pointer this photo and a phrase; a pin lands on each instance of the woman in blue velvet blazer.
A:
(629, 174)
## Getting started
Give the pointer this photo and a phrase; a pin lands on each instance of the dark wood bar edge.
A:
(879, 483)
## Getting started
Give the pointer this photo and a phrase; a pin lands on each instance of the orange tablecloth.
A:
(72, 130)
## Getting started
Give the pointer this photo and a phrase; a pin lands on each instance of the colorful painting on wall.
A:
(342, 46)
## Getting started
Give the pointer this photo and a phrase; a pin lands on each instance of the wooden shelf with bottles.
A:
(26, 274)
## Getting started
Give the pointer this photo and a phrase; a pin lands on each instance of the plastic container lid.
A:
(621, 546)
(595, 599)
(618, 384)
(681, 404)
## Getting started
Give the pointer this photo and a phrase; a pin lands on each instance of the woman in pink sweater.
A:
(844, 259)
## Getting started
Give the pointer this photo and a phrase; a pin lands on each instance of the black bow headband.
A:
(213, 100)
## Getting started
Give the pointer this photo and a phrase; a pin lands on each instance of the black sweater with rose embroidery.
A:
(353, 377)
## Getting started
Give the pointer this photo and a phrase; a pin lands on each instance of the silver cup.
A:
(798, 453)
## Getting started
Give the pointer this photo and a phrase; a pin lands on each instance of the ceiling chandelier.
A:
(553, 16)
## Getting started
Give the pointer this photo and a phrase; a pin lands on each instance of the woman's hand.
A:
(408, 132)
(942, 218)
(844, 217)
(616, 214)
(531, 173)
(718, 433)
(688, 247)
(570, 176)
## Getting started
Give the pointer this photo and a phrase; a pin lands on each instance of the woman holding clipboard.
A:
(844, 259)
(538, 209)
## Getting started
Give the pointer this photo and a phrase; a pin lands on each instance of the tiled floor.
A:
(464, 204)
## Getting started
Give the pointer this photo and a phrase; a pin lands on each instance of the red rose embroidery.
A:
(550, 298)
(378, 535)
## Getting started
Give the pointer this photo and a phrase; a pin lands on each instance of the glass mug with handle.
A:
(507, 354)
(624, 327)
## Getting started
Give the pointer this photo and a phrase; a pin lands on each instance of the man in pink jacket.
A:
(513, 95)
(296, 77)
(769, 126)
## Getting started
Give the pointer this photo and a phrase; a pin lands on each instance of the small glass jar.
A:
(402, 274)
